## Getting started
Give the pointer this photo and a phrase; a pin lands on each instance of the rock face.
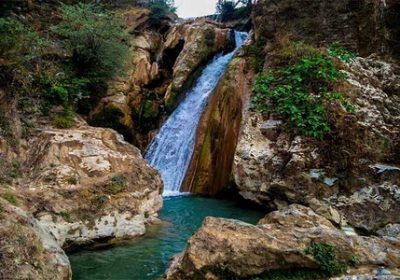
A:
(227, 247)
(27, 251)
(273, 169)
(165, 64)
(218, 131)
(86, 183)
(359, 24)
(202, 41)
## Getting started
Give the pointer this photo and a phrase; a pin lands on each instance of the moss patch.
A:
(325, 256)
(10, 197)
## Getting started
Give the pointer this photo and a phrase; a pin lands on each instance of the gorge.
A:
(259, 143)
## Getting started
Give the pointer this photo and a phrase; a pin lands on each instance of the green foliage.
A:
(62, 90)
(96, 43)
(117, 184)
(354, 261)
(300, 92)
(160, 9)
(95, 40)
(64, 119)
(227, 9)
(326, 258)
(337, 50)
(10, 197)
(19, 47)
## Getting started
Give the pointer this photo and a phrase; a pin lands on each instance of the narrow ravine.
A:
(171, 150)
(170, 153)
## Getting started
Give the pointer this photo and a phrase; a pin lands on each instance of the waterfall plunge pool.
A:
(147, 257)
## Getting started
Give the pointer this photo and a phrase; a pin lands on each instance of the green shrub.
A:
(19, 47)
(326, 258)
(62, 90)
(226, 9)
(160, 9)
(300, 92)
(64, 119)
(229, 10)
(117, 184)
(10, 197)
(94, 38)
(96, 43)
(337, 50)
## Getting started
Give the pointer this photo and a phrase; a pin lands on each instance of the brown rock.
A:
(218, 131)
(229, 247)
(87, 183)
(27, 251)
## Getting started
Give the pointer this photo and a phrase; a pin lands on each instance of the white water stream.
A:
(171, 150)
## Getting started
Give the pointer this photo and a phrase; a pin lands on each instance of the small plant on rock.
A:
(117, 184)
(325, 256)
(301, 91)
(337, 50)
(10, 197)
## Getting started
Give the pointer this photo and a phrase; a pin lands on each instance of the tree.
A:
(160, 9)
(226, 8)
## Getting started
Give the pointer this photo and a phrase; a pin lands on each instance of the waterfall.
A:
(171, 150)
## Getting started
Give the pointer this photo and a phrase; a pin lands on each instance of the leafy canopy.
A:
(160, 9)
(94, 38)
(19, 46)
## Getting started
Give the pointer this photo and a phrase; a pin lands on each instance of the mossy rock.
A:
(112, 117)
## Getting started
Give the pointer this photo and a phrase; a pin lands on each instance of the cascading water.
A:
(171, 150)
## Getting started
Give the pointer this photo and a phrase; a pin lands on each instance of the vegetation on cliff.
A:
(301, 88)
(233, 10)
(65, 62)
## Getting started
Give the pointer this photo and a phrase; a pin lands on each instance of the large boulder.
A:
(85, 183)
(227, 247)
(218, 131)
(27, 250)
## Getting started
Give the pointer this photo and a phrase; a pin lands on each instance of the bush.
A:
(10, 197)
(117, 184)
(19, 47)
(337, 50)
(227, 9)
(300, 92)
(96, 43)
(326, 258)
(64, 119)
(159, 10)
(94, 38)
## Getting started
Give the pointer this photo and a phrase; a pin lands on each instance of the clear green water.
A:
(148, 257)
